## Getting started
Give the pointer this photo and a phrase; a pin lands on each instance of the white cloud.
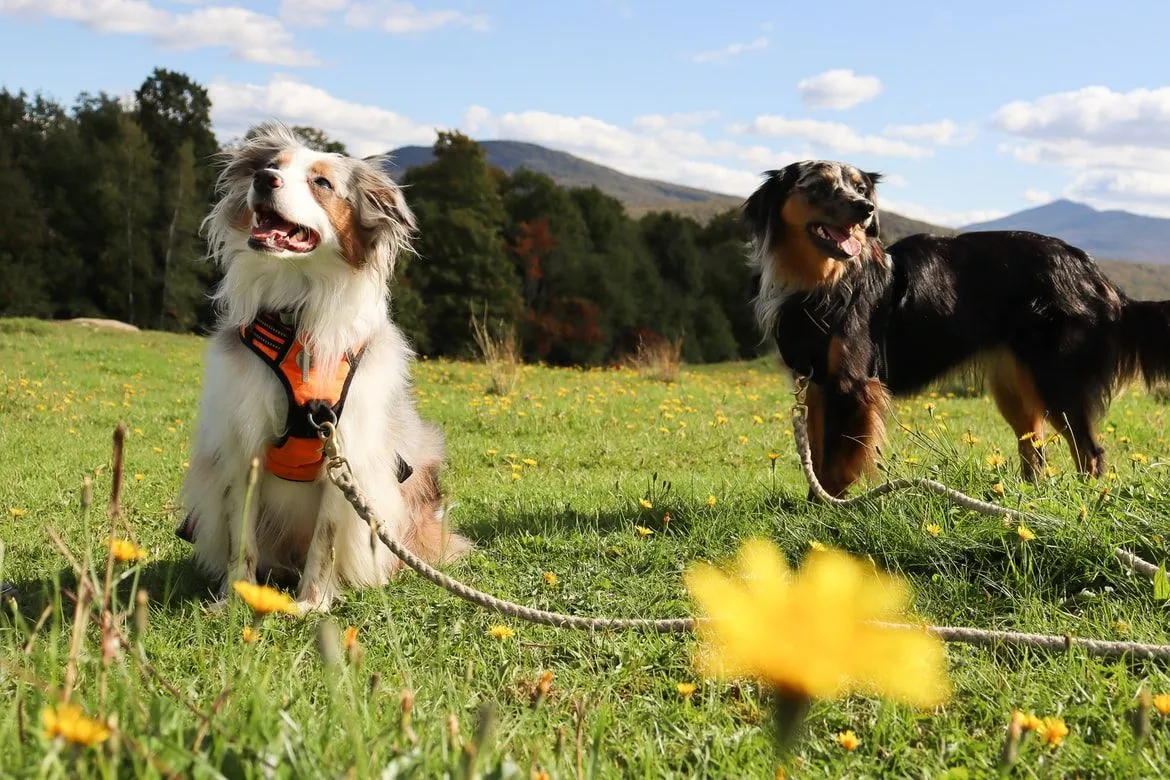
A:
(732, 50)
(399, 18)
(839, 88)
(651, 150)
(944, 132)
(833, 137)
(680, 120)
(248, 35)
(1115, 145)
(1037, 197)
(475, 118)
(937, 216)
(364, 129)
(312, 13)
(894, 180)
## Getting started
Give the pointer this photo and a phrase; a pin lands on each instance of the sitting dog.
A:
(307, 243)
(1053, 337)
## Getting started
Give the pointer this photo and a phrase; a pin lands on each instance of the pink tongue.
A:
(845, 240)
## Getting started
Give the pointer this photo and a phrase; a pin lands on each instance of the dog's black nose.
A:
(266, 181)
(861, 209)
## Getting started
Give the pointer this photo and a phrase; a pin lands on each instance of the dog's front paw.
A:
(308, 606)
(217, 607)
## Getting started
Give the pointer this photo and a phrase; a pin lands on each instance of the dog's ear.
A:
(386, 220)
(872, 178)
(761, 211)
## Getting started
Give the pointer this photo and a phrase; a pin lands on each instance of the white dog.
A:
(307, 242)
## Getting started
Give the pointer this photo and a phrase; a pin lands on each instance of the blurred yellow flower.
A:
(264, 600)
(250, 635)
(814, 544)
(124, 550)
(711, 500)
(813, 633)
(642, 530)
(772, 456)
(969, 439)
(1053, 731)
(501, 632)
(934, 529)
(645, 504)
(16, 512)
(848, 740)
(67, 721)
(685, 689)
(995, 460)
(550, 579)
(139, 477)
(1028, 722)
(529, 461)
(1025, 533)
(997, 488)
(1162, 703)
(350, 637)
(1137, 457)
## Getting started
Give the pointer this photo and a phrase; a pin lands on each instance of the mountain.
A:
(639, 195)
(1113, 235)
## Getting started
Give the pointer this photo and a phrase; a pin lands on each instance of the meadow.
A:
(588, 492)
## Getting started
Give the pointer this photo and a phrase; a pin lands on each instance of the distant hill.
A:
(1103, 234)
(639, 195)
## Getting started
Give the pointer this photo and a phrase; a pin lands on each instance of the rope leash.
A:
(342, 477)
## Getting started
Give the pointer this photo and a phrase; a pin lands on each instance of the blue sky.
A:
(972, 111)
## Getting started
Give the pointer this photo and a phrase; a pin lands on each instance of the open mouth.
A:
(838, 242)
(273, 233)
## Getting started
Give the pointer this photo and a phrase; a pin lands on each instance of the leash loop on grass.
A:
(342, 477)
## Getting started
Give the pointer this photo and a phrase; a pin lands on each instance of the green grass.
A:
(601, 441)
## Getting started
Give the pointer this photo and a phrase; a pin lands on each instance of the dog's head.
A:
(281, 202)
(811, 215)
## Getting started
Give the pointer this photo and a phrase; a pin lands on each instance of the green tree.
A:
(462, 261)
(24, 243)
(316, 139)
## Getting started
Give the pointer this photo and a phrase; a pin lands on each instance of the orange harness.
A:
(313, 396)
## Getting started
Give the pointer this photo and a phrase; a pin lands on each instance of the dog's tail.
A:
(1145, 341)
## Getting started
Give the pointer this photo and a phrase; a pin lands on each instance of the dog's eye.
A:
(321, 181)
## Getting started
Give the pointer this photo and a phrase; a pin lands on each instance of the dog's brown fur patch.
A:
(864, 435)
(1014, 389)
(799, 265)
(341, 214)
(427, 535)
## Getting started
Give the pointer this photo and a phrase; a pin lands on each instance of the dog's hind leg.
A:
(1014, 389)
(1078, 430)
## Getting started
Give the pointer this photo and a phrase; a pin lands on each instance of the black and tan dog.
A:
(1052, 336)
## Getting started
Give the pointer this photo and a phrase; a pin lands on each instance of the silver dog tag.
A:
(305, 361)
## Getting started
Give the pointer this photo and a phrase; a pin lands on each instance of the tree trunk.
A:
(162, 304)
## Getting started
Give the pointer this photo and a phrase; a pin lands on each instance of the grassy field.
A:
(553, 482)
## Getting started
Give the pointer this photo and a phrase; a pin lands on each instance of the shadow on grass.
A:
(168, 583)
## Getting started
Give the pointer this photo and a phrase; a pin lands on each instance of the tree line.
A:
(101, 204)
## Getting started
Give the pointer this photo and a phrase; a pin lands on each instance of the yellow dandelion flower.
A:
(1053, 731)
(501, 632)
(1028, 722)
(772, 456)
(515, 476)
(685, 689)
(156, 449)
(349, 639)
(1162, 703)
(997, 488)
(645, 503)
(1025, 533)
(743, 439)
(818, 546)
(934, 529)
(250, 635)
(642, 530)
(125, 551)
(815, 633)
(711, 500)
(1138, 457)
(493, 452)
(994, 460)
(969, 439)
(139, 477)
(16, 512)
(757, 419)
(264, 600)
(848, 740)
(550, 579)
(68, 722)
(530, 461)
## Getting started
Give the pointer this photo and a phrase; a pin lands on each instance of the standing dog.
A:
(1052, 335)
(307, 243)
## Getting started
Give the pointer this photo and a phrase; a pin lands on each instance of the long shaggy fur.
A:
(1054, 337)
(337, 294)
